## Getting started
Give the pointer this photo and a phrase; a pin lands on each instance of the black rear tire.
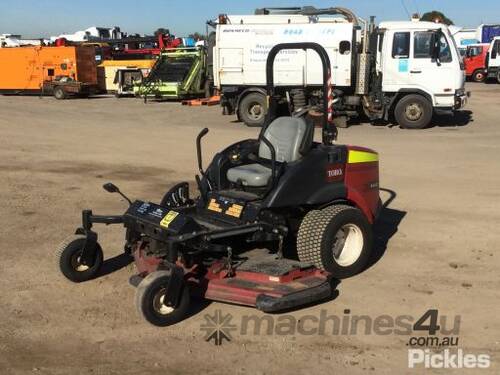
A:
(337, 239)
(68, 260)
(149, 303)
(59, 93)
(479, 76)
(413, 112)
(252, 109)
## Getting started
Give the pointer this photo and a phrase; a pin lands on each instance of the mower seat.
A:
(291, 137)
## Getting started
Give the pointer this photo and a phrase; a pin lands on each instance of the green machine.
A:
(179, 73)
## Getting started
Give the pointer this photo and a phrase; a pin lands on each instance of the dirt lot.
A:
(438, 242)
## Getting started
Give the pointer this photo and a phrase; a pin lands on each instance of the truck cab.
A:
(475, 61)
(421, 58)
(493, 59)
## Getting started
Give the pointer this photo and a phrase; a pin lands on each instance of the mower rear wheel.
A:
(68, 260)
(150, 296)
(337, 239)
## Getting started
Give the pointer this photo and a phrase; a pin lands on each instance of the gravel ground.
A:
(437, 241)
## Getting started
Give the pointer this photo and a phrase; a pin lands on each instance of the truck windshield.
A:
(445, 50)
(453, 42)
(474, 51)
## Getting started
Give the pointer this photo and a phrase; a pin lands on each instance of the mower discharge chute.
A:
(274, 191)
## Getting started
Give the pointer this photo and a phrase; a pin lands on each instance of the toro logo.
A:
(334, 172)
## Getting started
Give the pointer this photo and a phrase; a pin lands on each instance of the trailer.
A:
(60, 71)
(398, 70)
(487, 32)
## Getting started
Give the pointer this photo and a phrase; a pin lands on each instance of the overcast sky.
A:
(37, 18)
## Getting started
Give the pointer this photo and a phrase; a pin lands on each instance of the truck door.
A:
(395, 60)
(474, 61)
(471, 58)
(231, 65)
(494, 55)
(434, 74)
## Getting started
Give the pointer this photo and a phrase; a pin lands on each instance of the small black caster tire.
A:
(68, 255)
(149, 300)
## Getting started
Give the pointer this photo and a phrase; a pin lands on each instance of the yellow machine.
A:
(118, 76)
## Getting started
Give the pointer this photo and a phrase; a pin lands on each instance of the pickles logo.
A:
(447, 359)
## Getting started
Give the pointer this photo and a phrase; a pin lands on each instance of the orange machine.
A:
(60, 71)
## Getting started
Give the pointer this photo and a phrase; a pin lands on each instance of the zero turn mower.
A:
(279, 189)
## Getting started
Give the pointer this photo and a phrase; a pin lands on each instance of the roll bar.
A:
(329, 130)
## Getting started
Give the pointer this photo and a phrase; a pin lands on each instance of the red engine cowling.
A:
(362, 180)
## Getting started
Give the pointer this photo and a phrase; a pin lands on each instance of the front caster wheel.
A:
(68, 260)
(151, 304)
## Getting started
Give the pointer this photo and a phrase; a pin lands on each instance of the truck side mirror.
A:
(435, 46)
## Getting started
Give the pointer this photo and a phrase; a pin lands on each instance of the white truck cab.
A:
(408, 63)
(493, 59)
(402, 71)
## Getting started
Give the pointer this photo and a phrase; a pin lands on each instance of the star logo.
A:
(218, 327)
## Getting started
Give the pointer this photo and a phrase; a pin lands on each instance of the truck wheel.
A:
(498, 76)
(478, 76)
(68, 260)
(337, 239)
(59, 93)
(149, 299)
(252, 109)
(413, 112)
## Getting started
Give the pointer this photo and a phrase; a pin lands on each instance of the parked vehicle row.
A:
(402, 71)
(482, 61)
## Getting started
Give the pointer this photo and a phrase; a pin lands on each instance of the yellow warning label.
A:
(234, 210)
(214, 206)
(361, 157)
(168, 218)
